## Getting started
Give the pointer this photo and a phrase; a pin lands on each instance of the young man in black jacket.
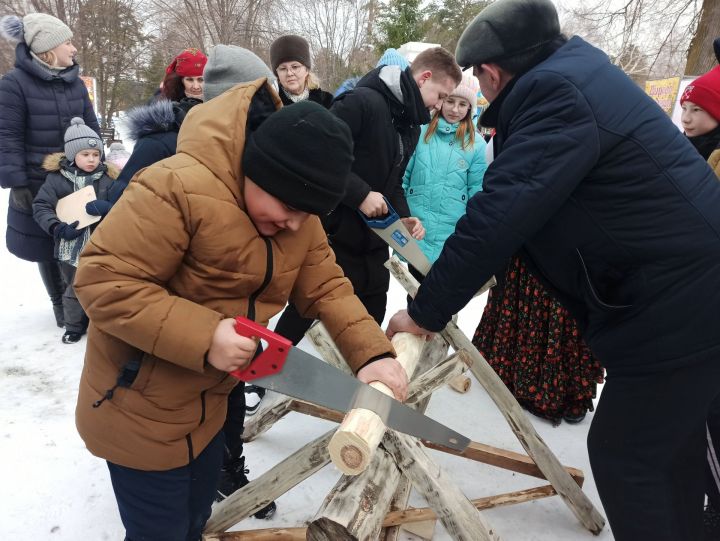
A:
(384, 111)
(615, 211)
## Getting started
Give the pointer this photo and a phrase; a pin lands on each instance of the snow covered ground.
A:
(52, 488)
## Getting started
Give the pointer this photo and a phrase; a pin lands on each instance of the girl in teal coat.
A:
(447, 167)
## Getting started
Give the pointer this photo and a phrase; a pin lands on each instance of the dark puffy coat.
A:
(384, 115)
(57, 186)
(35, 110)
(317, 95)
(154, 128)
(614, 208)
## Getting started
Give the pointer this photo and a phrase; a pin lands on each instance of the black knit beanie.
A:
(302, 155)
(289, 48)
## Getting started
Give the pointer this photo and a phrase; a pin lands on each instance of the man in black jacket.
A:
(618, 215)
(384, 111)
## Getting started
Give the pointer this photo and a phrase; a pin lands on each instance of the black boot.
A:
(55, 287)
(233, 476)
(711, 523)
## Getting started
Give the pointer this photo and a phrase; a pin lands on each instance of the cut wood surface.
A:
(533, 444)
(338, 521)
(461, 384)
(357, 437)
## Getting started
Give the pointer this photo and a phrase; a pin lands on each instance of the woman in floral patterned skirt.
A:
(534, 345)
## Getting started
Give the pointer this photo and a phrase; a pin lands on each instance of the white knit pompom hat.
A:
(468, 89)
(40, 31)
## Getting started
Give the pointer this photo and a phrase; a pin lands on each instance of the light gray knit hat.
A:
(40, 31)
(80, 137)
(230, 65)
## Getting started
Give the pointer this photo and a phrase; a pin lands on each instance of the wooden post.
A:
(270, 485)
(338, 521)
(359, 434)
(454, 510)
(535, 447)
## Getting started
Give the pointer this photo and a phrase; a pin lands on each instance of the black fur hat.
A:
(505, 29)
(288, 48)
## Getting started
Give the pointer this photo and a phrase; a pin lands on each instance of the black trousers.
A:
(647, 447)
(370, 280)
(712, 466)
(171, 505)
(74, 316)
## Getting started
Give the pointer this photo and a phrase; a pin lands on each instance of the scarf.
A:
(706, 143)
(69, 250)
(305, 94)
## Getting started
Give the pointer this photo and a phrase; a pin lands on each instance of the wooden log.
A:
(458, 515)
(273, 407)
(359, 434)
(354, 509)
(508, 460)
(340, 521)
(269, 534)
(423, 530)
(270, 485)
(533, 444)
(393, 518)
(460, 384)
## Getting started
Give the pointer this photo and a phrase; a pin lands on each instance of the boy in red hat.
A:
(700, 118)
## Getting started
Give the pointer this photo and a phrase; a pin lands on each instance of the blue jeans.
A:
(171, 505)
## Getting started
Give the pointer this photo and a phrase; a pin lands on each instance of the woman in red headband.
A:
(184, 76)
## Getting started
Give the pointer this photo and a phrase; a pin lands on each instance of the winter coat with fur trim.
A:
(177, 254)
(57, 186)
(154, 128)
(612, 207)
(35, 110)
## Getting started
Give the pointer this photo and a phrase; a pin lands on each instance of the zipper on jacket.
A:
(266, 281)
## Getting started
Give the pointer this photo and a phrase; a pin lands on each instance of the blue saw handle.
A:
(382, 222)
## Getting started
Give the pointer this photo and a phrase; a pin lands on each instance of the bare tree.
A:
(337, 30)
(701, 57)
(646, 38)
(110, 41)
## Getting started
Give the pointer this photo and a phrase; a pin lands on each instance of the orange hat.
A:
(189, 63)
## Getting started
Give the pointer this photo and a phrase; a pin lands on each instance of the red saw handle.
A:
(271, 360)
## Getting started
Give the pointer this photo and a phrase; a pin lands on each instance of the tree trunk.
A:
(701, 57)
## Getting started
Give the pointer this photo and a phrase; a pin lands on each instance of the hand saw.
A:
(392, 230)
(291, 371)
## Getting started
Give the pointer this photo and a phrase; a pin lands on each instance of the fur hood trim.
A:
(51, 163)
(155, 117)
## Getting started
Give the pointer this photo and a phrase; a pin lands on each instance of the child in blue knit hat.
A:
(81, 165)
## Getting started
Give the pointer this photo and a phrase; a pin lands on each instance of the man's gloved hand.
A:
(98, 208)
(67, 231)
(22, 198)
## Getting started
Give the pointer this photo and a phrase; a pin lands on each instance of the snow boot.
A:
(711, 523)
(253, 396)
(233, 476)
(55, 287)
(71, 337)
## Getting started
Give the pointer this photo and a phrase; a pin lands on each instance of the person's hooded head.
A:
(184, 76)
